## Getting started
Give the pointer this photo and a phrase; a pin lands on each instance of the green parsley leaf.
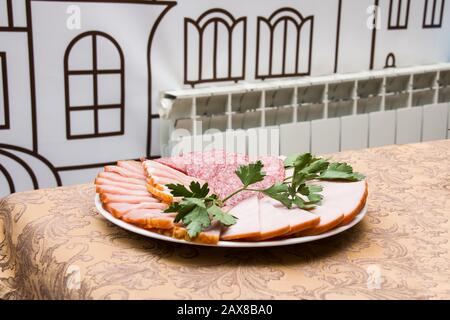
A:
(179, 190)
(302, 204)
(225, 218)
(317, 165)
(279, 192)
(302, 161)
(340, 171)
(251, 173)
(199, 191)
(196, 221)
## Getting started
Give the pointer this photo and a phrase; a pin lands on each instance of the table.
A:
(54, 245)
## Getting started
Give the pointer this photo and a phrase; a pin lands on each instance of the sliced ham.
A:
(112, 189)
(273, 222)
(160, 170)
(120, 209)
(149, 219)
(124, 172)
(297, 219)
(247, 224)
(161, 180)
(210, 235)
(108, 198)
(119, 178)
(342, 202)
(123, 185)
(134, 166)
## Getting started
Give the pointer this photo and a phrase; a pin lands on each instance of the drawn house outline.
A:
(435, 15)
(213, 17)
(5, 92)
(283, 16)
(94, 72)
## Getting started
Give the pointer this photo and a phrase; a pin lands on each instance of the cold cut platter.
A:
(225, 199)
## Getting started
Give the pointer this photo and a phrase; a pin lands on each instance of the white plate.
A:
(228, 244)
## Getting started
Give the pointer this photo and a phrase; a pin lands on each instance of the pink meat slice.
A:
(124, 172)
(149, 218)
(133, 166)
(108, 198)
(273, 222)
(124, 185)
(158, 170)
(120, 209)
(247, 224)
(113, 189)
(119, 178)
(342, 202)
(297, 219)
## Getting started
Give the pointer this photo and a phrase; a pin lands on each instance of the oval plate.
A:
(227, 244)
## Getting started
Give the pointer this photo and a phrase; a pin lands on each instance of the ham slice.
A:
(123, 185)
(119, 178)
(149, 219)
(133, 166)
(112, 189)
(124, 172)
(108, 198)
(210, 235)
(154, 168)
(342, 202)
(273, 222)
(297, 219)
(247, 224)
(120, 209)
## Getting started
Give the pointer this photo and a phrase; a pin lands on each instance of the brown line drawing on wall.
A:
(434, 15)
(69, 75)
(396, 20)
(4, 78)
(23, 164)
(34, 155)
(338, 34)
(32, 78)
(374, 35)
(8, 178)
(283, 16)
(214, 17)
(10, 13)
(390, 61)
(169, 5)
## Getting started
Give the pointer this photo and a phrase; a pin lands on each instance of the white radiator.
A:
(315, 114)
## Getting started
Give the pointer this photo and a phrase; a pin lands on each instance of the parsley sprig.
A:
(198, 207)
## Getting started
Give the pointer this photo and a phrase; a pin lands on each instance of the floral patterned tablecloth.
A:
(54, 245)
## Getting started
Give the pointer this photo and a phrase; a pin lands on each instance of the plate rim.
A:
(227, 244)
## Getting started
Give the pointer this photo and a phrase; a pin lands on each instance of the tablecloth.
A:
(54, 245)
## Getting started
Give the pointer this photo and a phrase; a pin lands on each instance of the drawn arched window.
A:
(398, 14)
(94, 86)
(214, 47)
(284, 44)
(4, 100)
(433, 13)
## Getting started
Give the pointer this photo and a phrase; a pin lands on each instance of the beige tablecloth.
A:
(54, 245)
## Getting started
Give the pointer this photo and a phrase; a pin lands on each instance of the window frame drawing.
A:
(4, 77)
(432, 24)
(272, 26)
(397, 25)
(200, 24)
(94, 72)
(390, 61)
